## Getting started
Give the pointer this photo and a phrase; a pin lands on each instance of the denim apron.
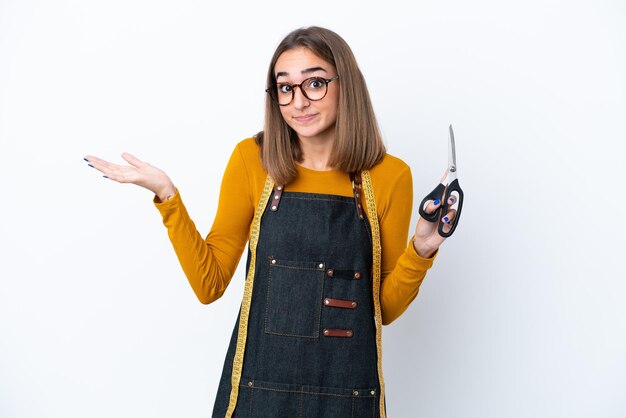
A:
(310, 338)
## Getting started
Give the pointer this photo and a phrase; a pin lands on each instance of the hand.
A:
(139, 173)
(426, 239)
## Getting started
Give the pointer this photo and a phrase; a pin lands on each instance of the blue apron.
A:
(310, 349)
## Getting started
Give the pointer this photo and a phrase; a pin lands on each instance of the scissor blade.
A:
(451, 152)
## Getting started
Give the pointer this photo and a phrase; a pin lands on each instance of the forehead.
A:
(295, 62)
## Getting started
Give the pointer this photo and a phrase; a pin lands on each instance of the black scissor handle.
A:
(452, 187)
(437, 193)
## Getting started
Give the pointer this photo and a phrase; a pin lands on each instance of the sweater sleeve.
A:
(403, 270)
(210, 263)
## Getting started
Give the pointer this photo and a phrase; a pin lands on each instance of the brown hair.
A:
(358, 142)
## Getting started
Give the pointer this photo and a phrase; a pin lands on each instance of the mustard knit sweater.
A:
(209, 263)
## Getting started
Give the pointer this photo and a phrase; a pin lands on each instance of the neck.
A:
(316, 153)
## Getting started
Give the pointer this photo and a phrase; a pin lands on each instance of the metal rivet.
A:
(276, 197)
(357, 275)
(355, 393)
(273, 207)
(325, 332)
(330, 272)
(349, 334)
(354, 304)
(326, 301)
(279, 188)
(273, 261)
(321, 265)
(361, 216)
(250, 383)
(373, 392)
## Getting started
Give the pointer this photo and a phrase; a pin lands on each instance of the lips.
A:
(305, 118)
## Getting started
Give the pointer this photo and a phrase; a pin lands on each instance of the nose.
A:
(299, 99)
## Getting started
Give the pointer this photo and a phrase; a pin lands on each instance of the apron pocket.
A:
(294, 298)
(270, 400)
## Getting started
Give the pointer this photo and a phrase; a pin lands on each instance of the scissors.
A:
(449, 184)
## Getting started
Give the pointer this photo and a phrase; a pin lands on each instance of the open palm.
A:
(138, 172)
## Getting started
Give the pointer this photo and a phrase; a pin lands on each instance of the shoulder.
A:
(246, 162)
(393, 185)
(248, 149)
(390, 170)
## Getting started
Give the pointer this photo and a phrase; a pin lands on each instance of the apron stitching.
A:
(251, 399)
(319, 199)
(353, 407)
(308, 392)
(296, 268)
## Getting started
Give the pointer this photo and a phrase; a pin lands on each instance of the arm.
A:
(403, 269)
(210, 263)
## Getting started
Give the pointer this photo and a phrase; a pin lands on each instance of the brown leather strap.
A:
(357, 185)
(275, 201)
(340, 303)
(343, 333)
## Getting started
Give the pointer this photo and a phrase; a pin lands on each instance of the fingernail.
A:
(436, 202)
(90, 165)
(105, 177)
(446, 220)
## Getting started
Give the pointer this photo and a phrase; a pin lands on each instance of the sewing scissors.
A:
(449, 184)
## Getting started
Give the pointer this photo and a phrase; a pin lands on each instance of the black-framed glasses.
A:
(313, 88)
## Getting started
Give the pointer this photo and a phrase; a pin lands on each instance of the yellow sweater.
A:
(210, 263)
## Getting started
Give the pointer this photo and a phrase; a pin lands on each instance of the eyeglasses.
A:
(313, 88)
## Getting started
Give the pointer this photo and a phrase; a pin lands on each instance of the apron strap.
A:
(357, 185)
(278, 192)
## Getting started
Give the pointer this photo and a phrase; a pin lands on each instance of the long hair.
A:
(358, 143)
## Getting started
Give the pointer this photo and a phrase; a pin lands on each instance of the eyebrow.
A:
(303, 72)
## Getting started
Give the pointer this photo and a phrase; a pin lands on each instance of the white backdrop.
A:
(522, 314)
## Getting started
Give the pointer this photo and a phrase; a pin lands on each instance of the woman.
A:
(326, 213)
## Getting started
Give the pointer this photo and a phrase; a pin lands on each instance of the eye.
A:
(283, 88)
(316, 83)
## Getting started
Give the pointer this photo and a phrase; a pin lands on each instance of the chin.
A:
(311, 132)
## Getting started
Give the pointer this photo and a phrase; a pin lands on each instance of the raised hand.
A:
(426, 239)
(138, 172)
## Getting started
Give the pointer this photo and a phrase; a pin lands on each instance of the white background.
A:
(523, 313)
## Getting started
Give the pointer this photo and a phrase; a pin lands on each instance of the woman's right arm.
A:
(208, 263)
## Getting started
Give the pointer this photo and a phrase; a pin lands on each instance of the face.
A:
(314, 120)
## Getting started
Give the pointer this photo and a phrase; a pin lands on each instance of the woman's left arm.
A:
(404, 266)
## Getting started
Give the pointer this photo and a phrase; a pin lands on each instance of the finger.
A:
(132, 160)
(448, 221)
(101, 165)
(119, 173)
(432, 206)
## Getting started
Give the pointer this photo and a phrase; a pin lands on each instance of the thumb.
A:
(132, 160)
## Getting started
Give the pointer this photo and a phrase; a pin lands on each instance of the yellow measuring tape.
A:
(372, 216)
(242, 333)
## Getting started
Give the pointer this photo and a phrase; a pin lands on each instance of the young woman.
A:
(325, 212)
